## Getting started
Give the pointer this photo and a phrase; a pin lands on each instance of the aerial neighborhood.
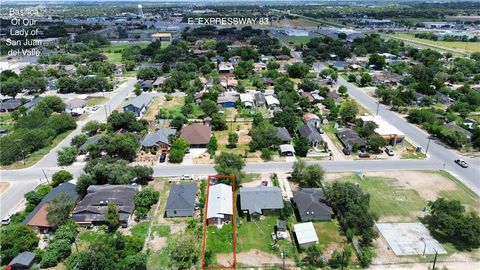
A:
(323, 136)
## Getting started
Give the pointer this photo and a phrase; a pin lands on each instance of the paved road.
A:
(438, 153)
(25, 180)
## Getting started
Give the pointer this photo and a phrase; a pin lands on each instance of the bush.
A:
(61, 177)
(67, 155)
(266, 154)
(365, 257)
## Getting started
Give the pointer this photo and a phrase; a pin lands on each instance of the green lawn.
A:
(139, 231)
(462, 193)
(256, 234)
(412, 154)
(113, 52)
(296, 40)
(85, 238)
(328, 232)
(456, 45)
(220, 240)
(6, 121)
(388, 200)
(92, 101)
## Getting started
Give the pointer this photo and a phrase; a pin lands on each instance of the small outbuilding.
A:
(305, 233)
(22, 261)
(287, 150)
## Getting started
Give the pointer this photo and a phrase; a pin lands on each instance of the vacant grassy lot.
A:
(456, 45)
(113, 52)
(402, 196)
(330, 236)
(296, 40)
(92, 101)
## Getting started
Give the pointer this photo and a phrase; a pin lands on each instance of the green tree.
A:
(61, 176)
(11, 87)
(186, 251)
(232, 139)
(91, 127)
(16, 238)
(365, 79)
(179, 121)
(79, 140)
(67, 155)
(307, 175)
(301, 145)
(112, 217)
(314, 256)
(147, 73)
(212, 146)
(58, 209)
(348, 110)
(375, 142)
(377, 60)
(342, 90)
(298, 70)
(209, 107)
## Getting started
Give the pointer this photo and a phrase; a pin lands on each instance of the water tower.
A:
(140, 11)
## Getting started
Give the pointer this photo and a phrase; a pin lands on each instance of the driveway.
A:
(194, 153)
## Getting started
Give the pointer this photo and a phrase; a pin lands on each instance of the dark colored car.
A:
(163, 157)
(462, 163)
(364, 155)
(346, 151)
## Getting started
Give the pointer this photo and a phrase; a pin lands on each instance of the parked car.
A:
(364, 155)
(6, 220)
(346, 151)
(389, 151)
(462, 163)
(163, 157)
(186, 177)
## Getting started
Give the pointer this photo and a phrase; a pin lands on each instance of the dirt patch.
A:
(158, 243)
(330, 177)
(4, 186)
(429, 190)
(177, 228)
(254, 258)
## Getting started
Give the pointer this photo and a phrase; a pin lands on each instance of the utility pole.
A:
(106, 113)
(435, 260)
(46, 177)
(378, 106)
(428, 144)
(21, 150)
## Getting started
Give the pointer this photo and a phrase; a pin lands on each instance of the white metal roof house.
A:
(306, 235)
(272, 101)
(220, 204)
(385, 129)
(247, 100)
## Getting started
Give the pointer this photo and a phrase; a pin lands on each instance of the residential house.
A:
(75, 106)
(158, 140)
(454, 126)
(350, 137)
(158, 83)
(220, 204)
(22, 261)
(227, 100)
(282, 57)
(259, 66)
(181, 201)
(283, 135)
(37, 219)
(83, 149)
(228, 82)
(311, 133)
(10, 105)
(146, 85)
(312, 120)
(261, 200)
(306, 235)
(307, 95)
(286, 150)
(312, 205)
(92, 209)
(225, 67)
(339, 65)
(260, 99)
(272, 102)
(32, 103)
(138, 105)
(266, 58)
(247, 100)
(197, 135)
(385, 129)
(267, 81)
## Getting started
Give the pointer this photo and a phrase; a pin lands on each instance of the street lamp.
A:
(21, 149)
(424, 246)
(428, 143)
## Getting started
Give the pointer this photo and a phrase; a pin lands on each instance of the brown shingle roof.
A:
(40, 219)
(196, 133)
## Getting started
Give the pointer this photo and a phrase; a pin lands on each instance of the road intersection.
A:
(439, 156)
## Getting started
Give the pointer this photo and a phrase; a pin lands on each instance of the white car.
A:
(186, 177)
(6, 220)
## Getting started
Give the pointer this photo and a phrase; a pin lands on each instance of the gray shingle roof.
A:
(283, 135)
(161, 135)
(255, 199)
(65, 188)
(141, 101)
(311, 202)
(349, 137)
(10, 104)
(181, 197)
(23, 259)
(91, 140)
(32, 103)
(310, 133)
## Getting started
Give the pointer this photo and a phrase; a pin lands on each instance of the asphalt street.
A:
(24, 180)
(439, 156)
